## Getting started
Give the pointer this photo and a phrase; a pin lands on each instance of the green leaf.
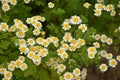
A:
(1, 51)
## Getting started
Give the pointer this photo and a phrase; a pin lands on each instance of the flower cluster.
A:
(19, 63)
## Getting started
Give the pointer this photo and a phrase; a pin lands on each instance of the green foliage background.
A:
(104, 24)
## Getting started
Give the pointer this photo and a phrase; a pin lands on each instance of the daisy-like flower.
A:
(49, 63)
(30, 55)
(76, 72)
(23, 49)
(103, 38)
(50, 5)
(5, 79)
(18, 63)
(60, 51)
(98, 12)
(54, 39)
(5, 7)
(8, 74)
(91, 55)
(112, 62)
(26, 1)
(21, 42)
(99, 6)
(13, 2)
(37, 63)
(36, 58)
(118, 58)
(61, 67)
(29, 20)
(43, 52)
(113, 13)
(64, 55)
(2, 70)
(81, 41)
(92, 49)
(109, 56)
(68, 76)
(31, 41)
(83, 27)
(100, 1)
(86, 5)
(96, 45)
(109, 41)
(20, 34)
(22, 58)
(66, 26)
(67, 37)
(78, 45)
(75, 20)
(72, 47)
(23, 66)
(45, 43)
(11, 67)
(103, 67)
(97, 37)
(36, 32)
(39, 40)
(65, 46)
(38, 25)
(103, 53)
(109, 7)
(3, 26)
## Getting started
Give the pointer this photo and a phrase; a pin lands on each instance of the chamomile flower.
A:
(76, 72)
(43, 52)
(66, 26)
(91, 55)
(103, 38)
(118, 58)
(92, 49)
(75, 20)
(27, 1)
(37, 63)
(96, 45)
(103, 67)
(103, 53)
(109, 56)
(68, 76)
(72, 47)
(18, 63)
(3, 26)
(99, 6)
(65, 46)
(23, 49)
(81, 41)
(2, 70)
(112, 62)
(109, 7)
(39, 40)
(64, 55)
(21, 42)
(8, 74)
(20, 34)
(22, 58)
(42, 19)
(38, 25)
(48, 63)
(83, 27)
(45, 43)
(87, 5)
(31, 41)
(61, 67)
(5, 78)
(100, 1)
(67, 37)
(97, 37)
(5, 7)
(77, 44)
(54, 39)
(13, 2)
(50, 5)
(60, 51)
(36, 58)
(109, 41)
(113, 13)
(98, 12)
(30, 55)
(29, 20)
(23, 66)
(11, 67)
(36, 32)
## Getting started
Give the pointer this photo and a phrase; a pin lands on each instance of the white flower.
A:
(66, 26)
(103, 38)
(109, 56)
(68, 76)
(98, 12)
(112, 63)
(103, 67)
(91, 55)
(109, 41)
(75, 20)
(50, 5)
(87, 5)
(83, 27)
(103, 53)
(76, 72)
